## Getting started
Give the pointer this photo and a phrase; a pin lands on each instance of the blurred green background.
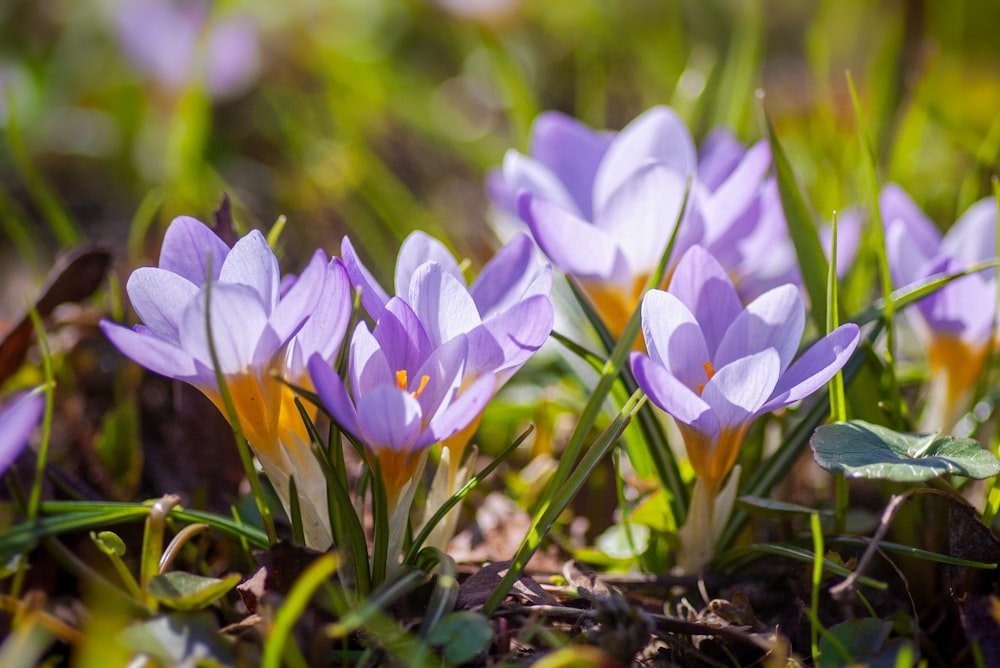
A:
(376, 117)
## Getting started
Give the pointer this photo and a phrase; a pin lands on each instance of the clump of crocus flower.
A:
(505, 315)
(715, 365)
(955, 323)
(264, 330)
(17, 420)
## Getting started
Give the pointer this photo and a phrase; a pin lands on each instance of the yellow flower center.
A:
(401, 383)
(709, 371)
(960, 362)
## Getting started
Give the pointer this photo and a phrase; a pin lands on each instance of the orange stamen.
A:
(401, 383)
(709, 371)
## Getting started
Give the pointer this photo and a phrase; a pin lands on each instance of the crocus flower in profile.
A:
(715, 365)
(505, 315)
(17, 420)
(954, 323)
(261, 328)
(406, 394)
(603, 211)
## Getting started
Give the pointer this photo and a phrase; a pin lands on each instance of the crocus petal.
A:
(419, 248)
(963, 308)
(641, 215)
(460, 413)
(238, 322)
(701, 284)
(574, 245)
(658, 135)
(367, 364)
(330, 389)
(773, 320)
(737, 192)
(572, 151)
(189, 247)
(673, 396)
(444, 369)
(442, 302)
(506, 278)
(674, 338)
(389, 418)
(896, 205)
(251, 262)
(718, 155)
(373, 297)
(324, 331)
(159, 297)
(738, 390)
(300, 302)
(17, 420)
(504, 343)
(973, 236)
(523, 174)
(815, 367)
(401, 336)
(146, 349)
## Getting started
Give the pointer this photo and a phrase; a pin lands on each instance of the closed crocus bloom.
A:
(715, 365)
(17, 420)
(263, 330)
(406, 394)
(954, 324)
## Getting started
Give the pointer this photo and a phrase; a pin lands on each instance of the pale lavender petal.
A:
(526, 175)
(444, 369)
(905, 257)
(442, 303)
(572, 151)
(658, 135)
(701, 284)
(402, 337)
(251, 262)
(373, 297)
(189, 247)
(641, 214)
(963, 307)
(896, 205)
(420, 248)
(718, 155)
(674, 338)
(301, 300)
(738, 390)
(233, 57)
(504, 343)
(159, 297)
(367, 364)
(147, 350)
(330, 389)
(738, 191)
(389, 418)
(238, 324)
(506, 278)
(324, 331)
(457, 415)
(673, 396)
(973, 236)
(773, 320)
(17, 420)
(815, 367)
(575, 246)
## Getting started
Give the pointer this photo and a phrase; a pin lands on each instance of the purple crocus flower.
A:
(173, 43)
(406, 393)
(715, 365)
(603, 211)
(17, 420)
(260, 329)
(954, 323)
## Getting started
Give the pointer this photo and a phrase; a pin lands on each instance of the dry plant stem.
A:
(841, 591)
(174, 548)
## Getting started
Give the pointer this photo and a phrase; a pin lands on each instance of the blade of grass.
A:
(838, 399)
(295, 604)
(817, 579)
(542, 523)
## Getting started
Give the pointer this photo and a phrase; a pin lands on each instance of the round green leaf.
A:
(863, 450)
(462, 635)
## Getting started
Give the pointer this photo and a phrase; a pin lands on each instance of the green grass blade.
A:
(295, 604)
